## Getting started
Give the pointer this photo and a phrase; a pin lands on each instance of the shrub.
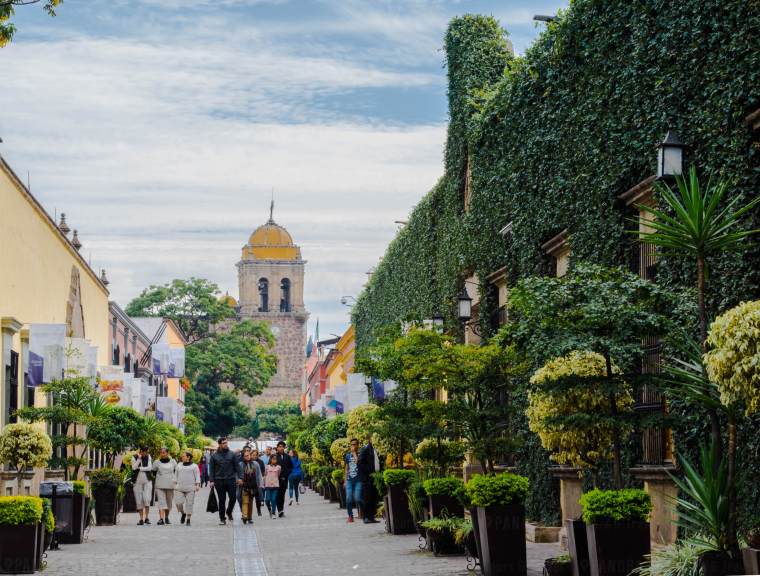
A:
(18, 510)
(464, 530)
(447, 486)
(441, 454)
(398, 477)
(452, 524)
(338, 475)
(338, 450)
(105, 478)
(501, 489)
(24, 445)
(47, 516)
(378, 478)
(362, 421)
(627, 505)
(79, 487)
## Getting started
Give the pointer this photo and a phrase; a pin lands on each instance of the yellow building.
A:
(341, 362)
(43, 280)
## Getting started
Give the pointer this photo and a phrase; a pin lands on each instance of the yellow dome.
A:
(271, 242)
(229, 300)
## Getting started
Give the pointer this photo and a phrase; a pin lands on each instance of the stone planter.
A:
(616, 548)
(106, 506)
(440, 505)
(541, 534)
(751, 557)
(577, 545)
(502, 540)
(397, 509)
(18, 548)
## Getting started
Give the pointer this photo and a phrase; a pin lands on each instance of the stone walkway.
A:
(312, 540)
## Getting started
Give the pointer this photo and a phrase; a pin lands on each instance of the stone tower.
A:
(270, 281)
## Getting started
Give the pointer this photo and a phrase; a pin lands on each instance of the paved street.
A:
(313, 540)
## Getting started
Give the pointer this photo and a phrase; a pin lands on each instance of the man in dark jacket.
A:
(286, 467)
(369, 463)
(223, 475)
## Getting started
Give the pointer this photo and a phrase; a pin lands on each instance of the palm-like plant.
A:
(697, 222)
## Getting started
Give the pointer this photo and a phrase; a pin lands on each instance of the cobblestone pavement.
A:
(312, 540)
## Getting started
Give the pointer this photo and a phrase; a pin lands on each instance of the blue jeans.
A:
(293, 481)
(271, 498)
(353, 494)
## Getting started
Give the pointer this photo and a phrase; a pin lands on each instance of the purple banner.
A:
(156, 366)
(338, 407)
(378, 389)
(159, 416)
(36, 369)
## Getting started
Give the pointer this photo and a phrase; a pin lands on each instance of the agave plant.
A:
(705, 510)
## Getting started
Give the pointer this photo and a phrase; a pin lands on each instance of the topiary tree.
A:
(362, 421)
(338, 450)
(574, 422)
(23, 446)
(117, 429)
(733, 363)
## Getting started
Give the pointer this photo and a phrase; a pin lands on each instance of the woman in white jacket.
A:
(187, 483)
(142, 466)
(164, 468)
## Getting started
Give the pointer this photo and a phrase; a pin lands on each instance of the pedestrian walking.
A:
(295, 477)
(250, 483)
(353, 480)
(164, 468)
(203, 469)
(187, 483)
(369, 463)
(286, 467)
(142, 472)
(223, 475)
(266, 455)
(272, 486)
(262, 467)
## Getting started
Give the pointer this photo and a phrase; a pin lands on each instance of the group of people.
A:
(248, 477)
(174, 483)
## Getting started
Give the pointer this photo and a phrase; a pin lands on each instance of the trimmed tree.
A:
(24, 446)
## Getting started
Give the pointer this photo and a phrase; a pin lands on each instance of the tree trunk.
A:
(617, 473)
(733, 543)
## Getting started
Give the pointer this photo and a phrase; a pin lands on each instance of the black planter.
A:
(751, 557)
(87, 511)
(441, 505)
(342, 495)
(397, 508)
(442, 543)
(720, 564)
(18, 549)
(48, 539)
(616, 548)
(40, 546)
(577, 545)
(129, 504)
(471, 545)
(554, 568)
(475, 551)
(333, 492)
(106, 506)
(502, 540)
(386, 516)
(77, 524)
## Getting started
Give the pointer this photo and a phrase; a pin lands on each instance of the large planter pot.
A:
(18, 549)
(399, 516)
(443, 544)
(475, 550)
(502, 540)
(440, 505)
(87, 515)
(471, 545)
(75, 535)
(720, 564)
(342, 495)
(751, 557)
(333, 492)
(386, 517)
(48, 540)
(554, 568)
(40, 546)
(106, 506)
(616, 548)
(577, 546)
(129, 504)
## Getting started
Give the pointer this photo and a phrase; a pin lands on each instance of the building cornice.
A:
(640, 193)
(51, 223)
(556, 244)
(10, 324)
(116, 310)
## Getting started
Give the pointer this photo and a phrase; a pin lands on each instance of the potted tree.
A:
(465, 536)
(617, 530)
(338, 477)
(24, 446)
(107, 487)
(397, 511)
(20, 520)
(444, 496)
(499, 500)
(441, 532)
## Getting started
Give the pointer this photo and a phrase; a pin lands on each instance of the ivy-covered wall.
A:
(553, 137)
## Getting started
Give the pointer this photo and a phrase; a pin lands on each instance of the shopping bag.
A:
(302, 489)
(213, 505)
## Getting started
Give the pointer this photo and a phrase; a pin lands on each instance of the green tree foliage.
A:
(274, 418)
(117, 429)
(242, 357)
(193, 304)
(219, 410)
(8, 9)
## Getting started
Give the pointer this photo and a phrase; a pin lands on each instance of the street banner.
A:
(340, 396)
(111, 385)
(161, 358)
(176, 362)
(46, 353)
(378, 389)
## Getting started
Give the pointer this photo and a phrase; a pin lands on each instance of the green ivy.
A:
(629, 504)
(18, 510)
(397, 477)
(552, 139)
(497, 490)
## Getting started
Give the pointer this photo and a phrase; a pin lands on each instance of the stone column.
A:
(570, 492)
(661, 489)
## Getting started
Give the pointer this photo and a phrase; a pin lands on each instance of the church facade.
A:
(270, 283)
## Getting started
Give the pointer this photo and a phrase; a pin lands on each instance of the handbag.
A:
(212, 506)
(301, 489)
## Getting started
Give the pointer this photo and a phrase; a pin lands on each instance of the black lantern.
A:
(464, 303)
(670, 156)
(437, 319)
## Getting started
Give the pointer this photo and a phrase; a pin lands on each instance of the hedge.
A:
(552, 139)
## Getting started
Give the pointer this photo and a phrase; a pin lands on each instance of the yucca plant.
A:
(705, 510)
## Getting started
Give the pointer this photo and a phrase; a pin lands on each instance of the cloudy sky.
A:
(160, 127)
